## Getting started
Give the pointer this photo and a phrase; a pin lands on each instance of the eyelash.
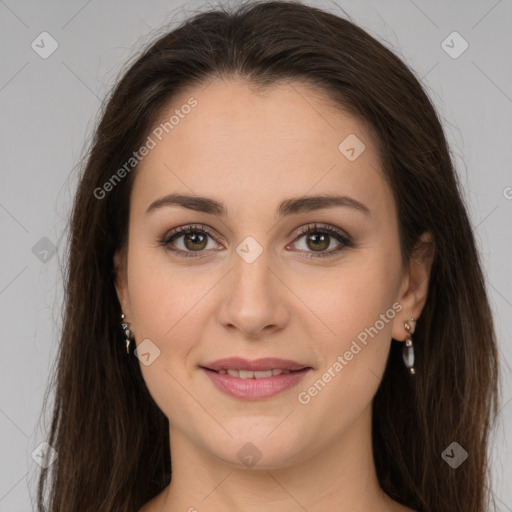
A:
(306, 230)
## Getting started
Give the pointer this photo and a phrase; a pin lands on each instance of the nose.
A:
(254, 298)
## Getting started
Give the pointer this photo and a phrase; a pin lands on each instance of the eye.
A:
(195, 240)
(318, 239)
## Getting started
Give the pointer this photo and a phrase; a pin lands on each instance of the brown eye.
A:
(194, 241)
(187, 240)
(319, 242)
(319, 238)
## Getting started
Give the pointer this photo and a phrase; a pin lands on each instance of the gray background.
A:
(49, 108)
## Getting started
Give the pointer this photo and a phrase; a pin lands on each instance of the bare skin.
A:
(250, 152)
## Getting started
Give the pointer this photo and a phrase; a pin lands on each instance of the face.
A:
(279, 275)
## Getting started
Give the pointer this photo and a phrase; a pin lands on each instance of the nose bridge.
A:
(253, 300)
(251, 271)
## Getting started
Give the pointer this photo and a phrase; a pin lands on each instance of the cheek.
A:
(160, 294)
(171, 307)
(352, 297)
(357, 305)
(164, 303)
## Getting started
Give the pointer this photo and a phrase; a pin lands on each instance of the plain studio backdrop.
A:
(50, 95)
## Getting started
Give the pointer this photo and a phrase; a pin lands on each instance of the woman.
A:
(274, 300)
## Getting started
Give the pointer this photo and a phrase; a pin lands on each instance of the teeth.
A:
(248, 374)
(263, 374)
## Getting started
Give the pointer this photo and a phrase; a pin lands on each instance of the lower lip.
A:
(253, 389)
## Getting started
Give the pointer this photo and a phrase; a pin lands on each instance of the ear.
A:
(121, 282)
(414, 288)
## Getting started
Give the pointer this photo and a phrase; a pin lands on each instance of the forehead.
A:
(283, 141)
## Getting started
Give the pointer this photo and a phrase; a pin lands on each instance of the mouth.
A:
(249, 374)
(268, 378)
(264, 364)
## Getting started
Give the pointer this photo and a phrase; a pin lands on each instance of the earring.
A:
(408, 349)
(126, 329)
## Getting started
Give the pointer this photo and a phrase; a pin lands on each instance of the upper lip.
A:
(266, 363)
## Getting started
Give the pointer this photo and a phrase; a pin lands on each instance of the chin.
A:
(261, 450)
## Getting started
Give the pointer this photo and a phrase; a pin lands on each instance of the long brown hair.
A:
(111, 438)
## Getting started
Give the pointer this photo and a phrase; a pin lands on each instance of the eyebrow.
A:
(287, 207)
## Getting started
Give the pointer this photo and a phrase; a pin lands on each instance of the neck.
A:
(341, 477)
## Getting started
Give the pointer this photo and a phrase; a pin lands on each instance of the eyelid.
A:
(320, 227)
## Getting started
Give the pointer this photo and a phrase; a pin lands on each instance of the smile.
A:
(254, 385)
(248, 374)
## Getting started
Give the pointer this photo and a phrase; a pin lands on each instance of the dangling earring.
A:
(408, 349)
(126, 329)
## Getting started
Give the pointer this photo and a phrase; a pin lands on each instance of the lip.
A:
(266, 363)
(255, 389)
